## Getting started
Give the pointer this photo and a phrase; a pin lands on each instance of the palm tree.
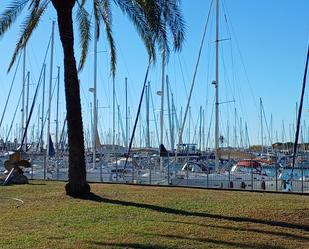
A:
(153, 20)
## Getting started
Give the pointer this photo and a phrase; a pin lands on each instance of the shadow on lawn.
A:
(254, 230)
(128, 245)
(218, 242)
(173, 237)
(36, 184)
(96, 198)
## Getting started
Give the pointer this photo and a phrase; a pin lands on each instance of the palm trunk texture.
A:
(77, 185)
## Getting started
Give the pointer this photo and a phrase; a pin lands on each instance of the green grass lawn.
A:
(120, 216)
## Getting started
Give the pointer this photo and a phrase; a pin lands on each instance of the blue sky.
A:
(263, 57)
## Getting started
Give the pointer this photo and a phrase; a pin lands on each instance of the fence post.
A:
(207, 176)
(57, 167)
(101, 171)
(302, 179)
(31, 171)
(168, 169)
(187, 173)
(44, 167)
(149, 175)
(187, 159)
(229, 179)
(101, 164)
(117, 170)
(277, 168)
(251, 173)
(133, 171)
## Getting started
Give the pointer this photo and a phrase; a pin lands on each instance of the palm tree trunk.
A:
(77, 185)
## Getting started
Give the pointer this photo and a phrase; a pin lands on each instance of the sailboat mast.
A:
(247, 136)
(154, 114)
(38, 124)
(57, 110)
(50, 87)
(200, 129)
(147, 117)
(43, 101)
(271, 130)
(241, 134)
(217, 90)
(203, 131)
(27, 106)
(127, 130)
(283, 133)
(114, 106)
(129, 126)
(169, 113)
(228, 134)
(23, 95)
(262, 139)
(235, 127)
(162, 104)
(94, 128)
(162, 97)
(118, 125)
(189, 130)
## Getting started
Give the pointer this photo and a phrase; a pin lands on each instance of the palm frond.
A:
(154, 20)
(151, 11)
(82, 3)
(135, 10)
(8, 17)
(83, 21)
(174, 22)
(106, 15)
(96, 11)
(35, 3)
(29, 25)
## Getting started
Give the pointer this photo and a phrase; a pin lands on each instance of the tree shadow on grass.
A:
(253, 230)
(218, 242)
(128, 245)
(227, 244)
(36, 184)
(167, 210)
